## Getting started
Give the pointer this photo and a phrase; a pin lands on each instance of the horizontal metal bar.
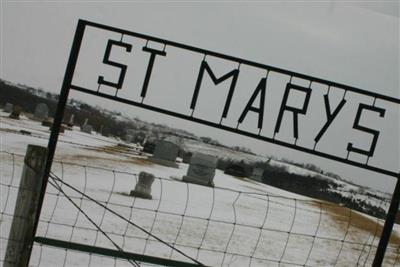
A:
(111, 252)
(238, 131)
(243, 61)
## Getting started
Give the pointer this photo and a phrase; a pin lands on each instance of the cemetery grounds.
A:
(239, 222)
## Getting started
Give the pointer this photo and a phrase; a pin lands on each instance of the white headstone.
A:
(144, 140)
(71, 120)
(143, 186)
(86, 122)
(201, 169)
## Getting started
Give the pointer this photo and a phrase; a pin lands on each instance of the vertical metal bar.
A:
(387, 228)
(58, 117)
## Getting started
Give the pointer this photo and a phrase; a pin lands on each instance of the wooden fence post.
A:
(20, 240)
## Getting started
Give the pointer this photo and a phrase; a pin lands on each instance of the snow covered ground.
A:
(350, 191)
(238, 223)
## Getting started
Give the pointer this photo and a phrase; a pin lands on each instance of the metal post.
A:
(20, 239)
(388, 227)
(58, 117)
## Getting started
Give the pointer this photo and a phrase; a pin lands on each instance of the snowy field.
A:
(238, 223)
(356, 193)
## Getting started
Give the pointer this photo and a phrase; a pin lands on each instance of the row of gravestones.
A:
(14, 111)
(41, 111)
(42, 114)
(201, 171)
(166, 152)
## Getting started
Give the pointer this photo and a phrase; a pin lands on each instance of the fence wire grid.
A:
(208, 226)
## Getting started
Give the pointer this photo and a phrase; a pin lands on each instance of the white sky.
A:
(352, 43)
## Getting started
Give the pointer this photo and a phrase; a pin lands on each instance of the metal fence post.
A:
(388, 227)
(20, 240)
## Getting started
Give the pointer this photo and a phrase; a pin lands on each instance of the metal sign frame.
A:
(67, 86)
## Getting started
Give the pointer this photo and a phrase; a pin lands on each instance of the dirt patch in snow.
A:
(114, 149)
(356, 221)
(89, 158)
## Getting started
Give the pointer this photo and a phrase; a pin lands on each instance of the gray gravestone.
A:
(201, 169)
(41, 112)
(143, 186)
(128, 138)
(8, 108)
(87, 128)
(15, 112)
(165, 154)
(186, 157)
(257, 174)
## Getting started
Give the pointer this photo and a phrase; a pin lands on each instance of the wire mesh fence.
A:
(183, 222)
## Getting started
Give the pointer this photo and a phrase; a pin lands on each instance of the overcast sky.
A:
(352, 43)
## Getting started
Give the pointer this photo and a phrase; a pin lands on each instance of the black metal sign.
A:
(297, 91)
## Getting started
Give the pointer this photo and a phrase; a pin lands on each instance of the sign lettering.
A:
(185, 82)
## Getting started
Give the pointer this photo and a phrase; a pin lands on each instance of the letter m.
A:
(205, 67)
